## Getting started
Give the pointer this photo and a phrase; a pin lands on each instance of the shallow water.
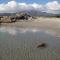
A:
(21, 44)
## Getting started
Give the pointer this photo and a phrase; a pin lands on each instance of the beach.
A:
(19, 40)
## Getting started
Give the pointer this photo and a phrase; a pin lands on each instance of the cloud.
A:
(53, 7)
(9, 7)
(13, 6)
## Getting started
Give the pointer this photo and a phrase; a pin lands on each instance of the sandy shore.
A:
(40, 23)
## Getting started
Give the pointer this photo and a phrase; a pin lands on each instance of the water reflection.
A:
(14, 30)
(8, 30)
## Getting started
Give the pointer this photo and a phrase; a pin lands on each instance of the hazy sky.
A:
(49, 6)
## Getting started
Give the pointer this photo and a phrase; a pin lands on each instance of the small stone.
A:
(41, 45)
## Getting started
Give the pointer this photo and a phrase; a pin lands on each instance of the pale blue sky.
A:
(30, 1)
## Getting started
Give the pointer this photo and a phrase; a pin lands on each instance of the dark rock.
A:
(13, 19)
(5, 19)
(1, 17)
(58, 16)
(41, 45)
(23, 16)
(16, 17)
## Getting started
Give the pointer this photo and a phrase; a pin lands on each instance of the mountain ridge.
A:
(30, 12)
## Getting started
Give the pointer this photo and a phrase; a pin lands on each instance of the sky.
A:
(49, 6)
(29, 1)
(26, 1)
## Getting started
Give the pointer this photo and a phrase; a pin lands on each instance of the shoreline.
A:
(40, 23)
